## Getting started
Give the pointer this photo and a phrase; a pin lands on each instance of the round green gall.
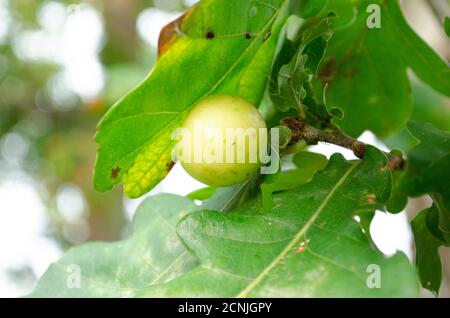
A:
(220, 141)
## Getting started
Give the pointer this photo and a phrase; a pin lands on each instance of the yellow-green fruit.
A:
(225, 133)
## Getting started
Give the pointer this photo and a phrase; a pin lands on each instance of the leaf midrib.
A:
(297, 237)
(235, 194)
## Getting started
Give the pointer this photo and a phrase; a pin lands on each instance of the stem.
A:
(312, 135)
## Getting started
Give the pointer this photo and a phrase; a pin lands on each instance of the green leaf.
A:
(428, 260)
(366, 71)
(365, 220)
(447, 26)
(285, 136)
(294, 67)
(221, 47)
(201, 194)
(307, 8)
(229, 198)
(429, 170)
(310, 160)
(308, 164)
(307, 245)
(345, 10)
(153, 254)
(429, 106)
(398, 200)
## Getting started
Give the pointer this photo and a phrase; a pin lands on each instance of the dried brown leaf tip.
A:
(170, 32)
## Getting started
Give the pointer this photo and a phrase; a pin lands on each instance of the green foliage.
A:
(429, 106)
(447, 26)
(366, 70)
(294, 233)
(429, 170)
(252, 253)
(152, 255)
(428, 173)
(301, 64)
(249, 252)
(201, 194)
(427, 244)
(213, 56)
(308, 163)
(308, 8)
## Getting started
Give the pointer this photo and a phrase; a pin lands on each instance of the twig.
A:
(312, 135)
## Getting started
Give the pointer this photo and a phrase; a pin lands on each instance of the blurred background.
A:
(62, 65)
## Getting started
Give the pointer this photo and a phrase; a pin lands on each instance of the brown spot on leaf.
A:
(302, 247)
(372, 198)
(169, 166)
(210, 35)
(115, 172)
(248, 36)
(396, 163)
(170, 32)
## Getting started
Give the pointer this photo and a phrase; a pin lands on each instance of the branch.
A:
(312, 135)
